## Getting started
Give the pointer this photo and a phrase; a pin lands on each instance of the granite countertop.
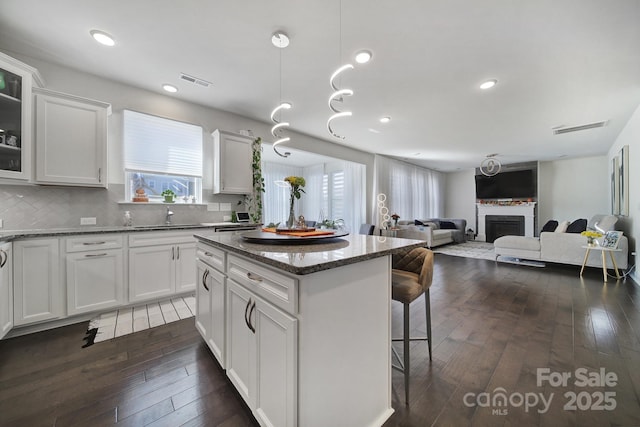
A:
(308, 258)
(9, 235)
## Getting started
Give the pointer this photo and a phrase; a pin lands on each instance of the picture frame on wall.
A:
(620, 182)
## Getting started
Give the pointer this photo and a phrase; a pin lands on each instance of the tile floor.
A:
(133, 319)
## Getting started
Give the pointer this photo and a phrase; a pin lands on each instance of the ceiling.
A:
(557, 62)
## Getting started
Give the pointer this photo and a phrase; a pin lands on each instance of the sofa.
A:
(436, 231)
(561, 247)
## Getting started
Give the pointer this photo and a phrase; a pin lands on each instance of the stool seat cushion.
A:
(405, 286)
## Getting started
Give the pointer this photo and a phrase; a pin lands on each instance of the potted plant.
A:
(168, 195)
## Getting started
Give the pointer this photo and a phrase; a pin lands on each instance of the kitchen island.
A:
(303, 331)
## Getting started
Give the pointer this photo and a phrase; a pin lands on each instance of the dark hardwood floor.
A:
(494, 327)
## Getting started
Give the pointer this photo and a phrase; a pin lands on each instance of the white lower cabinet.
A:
(37, 292)
(210, 309)
(6, 289)
(161, 264)
(261, 356)
(95, 280)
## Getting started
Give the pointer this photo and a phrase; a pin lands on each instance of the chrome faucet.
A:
(167, 219)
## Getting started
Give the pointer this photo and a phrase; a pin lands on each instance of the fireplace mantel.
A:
(527, 210)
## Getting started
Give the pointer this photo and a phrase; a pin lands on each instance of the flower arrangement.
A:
(296, 183)
(395, 218)
(591, 236)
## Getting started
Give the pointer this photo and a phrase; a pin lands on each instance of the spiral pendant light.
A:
(338, 93)
(280, 40)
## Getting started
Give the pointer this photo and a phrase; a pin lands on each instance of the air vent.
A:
(562, 130)
(194, 80)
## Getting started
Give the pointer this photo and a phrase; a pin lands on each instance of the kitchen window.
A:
(162, 154)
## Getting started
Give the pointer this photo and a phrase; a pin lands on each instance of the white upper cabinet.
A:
(16, 117)
(71, 140)
(232, 163)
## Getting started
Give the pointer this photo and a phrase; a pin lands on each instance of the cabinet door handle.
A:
(246, 310)
(209, 254)
(173, 252)
(254, 277)
(178, 251)
(4, 255)
(95, 255)
(253, 307)
(93, 243)
(204, 279)
(99, 174)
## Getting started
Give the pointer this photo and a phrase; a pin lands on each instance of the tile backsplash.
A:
(26, 207)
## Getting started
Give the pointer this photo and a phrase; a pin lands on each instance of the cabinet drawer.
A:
(151, 238)
(94, 242)
(274, 287)
(212, 256)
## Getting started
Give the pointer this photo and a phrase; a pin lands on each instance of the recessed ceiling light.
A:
(280, 39)
(386, 119)
(363, 56)
(169, 88)
(488, 84)
(102, 37)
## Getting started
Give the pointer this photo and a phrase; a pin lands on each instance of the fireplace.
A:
(503, 225)
(523, 210)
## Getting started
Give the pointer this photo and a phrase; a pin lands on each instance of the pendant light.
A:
(280, 40)
(338, 94)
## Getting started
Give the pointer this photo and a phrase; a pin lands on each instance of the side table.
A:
(604, 259)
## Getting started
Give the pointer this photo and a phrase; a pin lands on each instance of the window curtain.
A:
(312, 201)
(276, 196)
(412, 192)
(156, 145)
(354, 195)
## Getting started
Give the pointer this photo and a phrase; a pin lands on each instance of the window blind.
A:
(162, 146)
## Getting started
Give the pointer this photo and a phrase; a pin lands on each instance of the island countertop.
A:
(307, 258)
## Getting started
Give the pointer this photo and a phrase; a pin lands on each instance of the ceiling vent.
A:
(194, 80)
(561, 130)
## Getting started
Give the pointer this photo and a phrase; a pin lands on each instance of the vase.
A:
(291, 220)
(591, 241)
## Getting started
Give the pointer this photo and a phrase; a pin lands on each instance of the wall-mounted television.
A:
(507, 185)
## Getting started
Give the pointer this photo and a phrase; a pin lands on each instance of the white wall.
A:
(569, 189)
(630, 136)
(121, 96)
(460, 199)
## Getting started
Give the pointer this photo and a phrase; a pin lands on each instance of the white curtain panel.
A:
(313, 200)
(412, 192)
(354, 195)
(276, 196)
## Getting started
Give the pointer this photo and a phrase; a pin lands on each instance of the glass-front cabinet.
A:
(16, 115)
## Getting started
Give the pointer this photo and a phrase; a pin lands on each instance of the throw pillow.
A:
(577, 226)
(551, 225)
(447, 225)
(562, 227)
(417, 222)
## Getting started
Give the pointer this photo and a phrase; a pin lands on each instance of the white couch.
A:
(432, 232)
(563, 248)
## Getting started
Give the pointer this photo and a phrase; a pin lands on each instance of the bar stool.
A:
(411, 277)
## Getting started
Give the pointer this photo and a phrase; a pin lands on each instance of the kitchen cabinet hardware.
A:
(95, 255)
(3, 258)
(253, 307)
(93, 243)
(254, 277)
(204, 279)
